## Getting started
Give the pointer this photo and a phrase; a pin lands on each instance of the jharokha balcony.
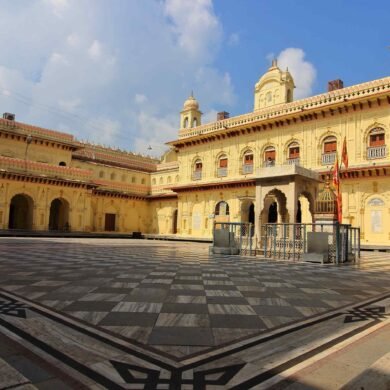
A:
(16, 165)
(247, 169)
(374, 152)
(197, 175)
(328, 158)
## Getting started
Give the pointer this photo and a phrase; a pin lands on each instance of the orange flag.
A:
(344, 154)
(336, 183)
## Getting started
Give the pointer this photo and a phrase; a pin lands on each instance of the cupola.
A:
(190, 116)
(274, 87)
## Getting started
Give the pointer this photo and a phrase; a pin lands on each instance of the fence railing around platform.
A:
(330, 242)
(238, 235)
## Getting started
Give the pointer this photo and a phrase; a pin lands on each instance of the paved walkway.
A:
(124, 314)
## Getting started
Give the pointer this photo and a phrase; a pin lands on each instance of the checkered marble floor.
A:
(175, 297)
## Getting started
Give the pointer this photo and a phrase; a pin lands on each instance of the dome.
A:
(326, 201)
(191, 104)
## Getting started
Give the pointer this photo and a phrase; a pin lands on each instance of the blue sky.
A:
(117, 72)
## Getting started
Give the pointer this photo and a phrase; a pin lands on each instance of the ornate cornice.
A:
(354, 98)
(214, 185)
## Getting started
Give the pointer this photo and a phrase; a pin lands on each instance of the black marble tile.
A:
(181, 336)
(236, 321)
(129, 319)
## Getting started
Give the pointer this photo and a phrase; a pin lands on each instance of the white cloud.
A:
(303, 72)
(95, 50)
(197, 28)
(79, 76)
(58, 6)
(139, 98)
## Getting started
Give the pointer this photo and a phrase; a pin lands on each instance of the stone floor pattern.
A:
(175, 299)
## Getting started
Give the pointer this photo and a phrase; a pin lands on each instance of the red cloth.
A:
(344, 154)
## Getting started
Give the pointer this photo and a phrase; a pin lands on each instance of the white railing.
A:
(293, 161)
(376, 152)
(247, 168)
(222, 172)
(197, 175)
(269, 163)
(328, 158)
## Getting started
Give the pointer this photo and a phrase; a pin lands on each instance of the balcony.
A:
(269, 163)
(197, 175)
(247, 169)
(374, 152)
(328, 158)
(293, 161)
(222, 172)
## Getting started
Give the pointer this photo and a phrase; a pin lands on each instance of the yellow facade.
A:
(264, 166)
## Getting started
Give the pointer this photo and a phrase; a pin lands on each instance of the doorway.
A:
(273, 213)
(109, 223)
(21, 212)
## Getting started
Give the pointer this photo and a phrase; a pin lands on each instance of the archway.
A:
(274, 208)
(59, 215)
(222, 212)
(305, 209)
(251, 214)
(21, 212)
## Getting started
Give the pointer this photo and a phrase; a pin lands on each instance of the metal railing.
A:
(247, 168)
(240, 235)
(328, 158)
(268, 163)
(289, 241)
(376, 152)
(197, 175)
(222, 172)
(293, 161)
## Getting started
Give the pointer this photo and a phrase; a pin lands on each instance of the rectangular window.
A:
(330, 147)
(294, 152)
(248, 160)
(377, 140)
(223, 163)
(270, 155)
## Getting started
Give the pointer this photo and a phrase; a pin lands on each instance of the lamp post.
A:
(28, 142)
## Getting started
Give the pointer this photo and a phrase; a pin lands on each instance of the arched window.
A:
(112, 177)
(329, 149)
(62, 164)
(222, 209)
(123, 178)
(376, 144)
(268, 97)
(293, 153)
(143, 181)
(194, 122)
(222, 169)
(247, 164)
(169, 179)
(197, 172)
(133, 179)
(185, 123)
(269, 156)
(177, 178)
(101, 174)
(154, 182)
(161, 181)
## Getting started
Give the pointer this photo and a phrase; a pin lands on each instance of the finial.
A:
(192, 93)
(274, 62)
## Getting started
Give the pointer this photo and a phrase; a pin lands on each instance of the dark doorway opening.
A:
(109, 224)
(174, 227)
(299, 213)
(21, 212)
(59, 215)
(273, 213)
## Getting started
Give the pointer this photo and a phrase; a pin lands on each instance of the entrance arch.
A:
(59, 214)
(274, 208)
(21, 212)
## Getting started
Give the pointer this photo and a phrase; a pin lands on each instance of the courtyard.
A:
(156, 314)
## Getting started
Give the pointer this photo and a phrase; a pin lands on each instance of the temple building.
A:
(268, 165)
